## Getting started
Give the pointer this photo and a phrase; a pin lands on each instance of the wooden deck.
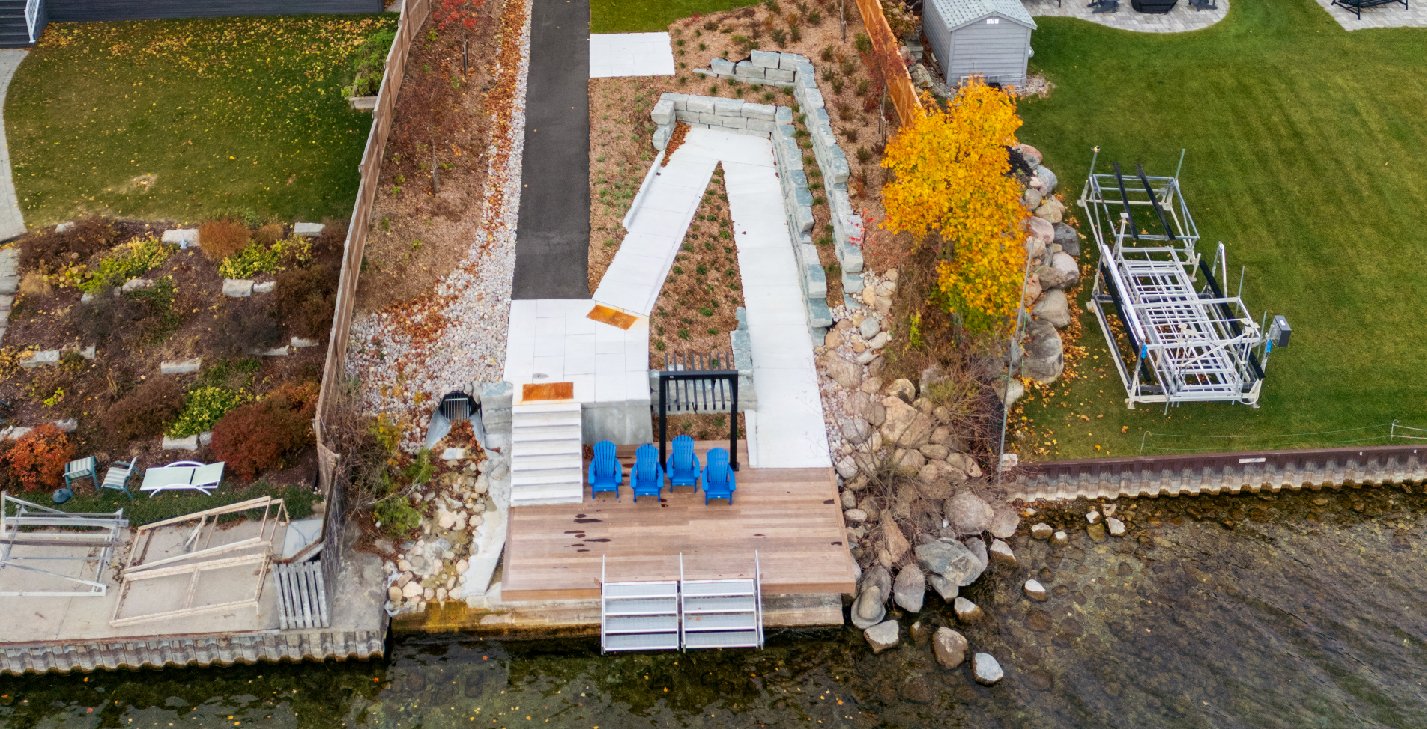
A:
(790, 517)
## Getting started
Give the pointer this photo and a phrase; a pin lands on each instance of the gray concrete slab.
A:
(12, 223)
(1183, 18)
(553, 232)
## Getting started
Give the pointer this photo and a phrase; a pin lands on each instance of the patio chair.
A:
(80, 468)
(605, 471)
(683, 464)
(719, 479)
(117, 476)
(646, 478)
(183, 475)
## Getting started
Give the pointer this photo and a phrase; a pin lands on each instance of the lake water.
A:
(1303, 610)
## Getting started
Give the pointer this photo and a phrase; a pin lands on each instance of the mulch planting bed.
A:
(180, 314)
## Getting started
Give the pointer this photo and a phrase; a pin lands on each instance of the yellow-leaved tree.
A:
(951, 179)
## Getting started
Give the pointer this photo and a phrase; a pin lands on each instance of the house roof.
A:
(958, 13)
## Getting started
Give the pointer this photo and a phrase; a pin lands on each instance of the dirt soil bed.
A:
(422, 229)
(621, 147)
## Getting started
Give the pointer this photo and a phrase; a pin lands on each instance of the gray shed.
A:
(987, 38)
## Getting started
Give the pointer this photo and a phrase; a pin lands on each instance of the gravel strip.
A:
(405, 360)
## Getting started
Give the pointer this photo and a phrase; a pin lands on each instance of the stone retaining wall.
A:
(1221, 473)
(791, 70)
(196, 650)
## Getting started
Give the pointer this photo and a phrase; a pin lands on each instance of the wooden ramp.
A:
(790, 517)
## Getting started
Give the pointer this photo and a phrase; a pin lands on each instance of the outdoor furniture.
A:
(1356, 6)
(719, 479)
(1104, 6)
(683, 465)
(1204, 4)
(1153, 6)
(80, 468)
(646, 478)
(183, 475)
(117, 476)
(605, 471)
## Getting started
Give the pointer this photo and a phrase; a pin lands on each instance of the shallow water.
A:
(1303, 610)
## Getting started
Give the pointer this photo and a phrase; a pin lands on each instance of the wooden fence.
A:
(887, 50)
(413, 16)
(1213, 473)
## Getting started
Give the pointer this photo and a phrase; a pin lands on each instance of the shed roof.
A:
(958, 13)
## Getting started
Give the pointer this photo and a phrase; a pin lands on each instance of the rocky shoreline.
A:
(921, 514)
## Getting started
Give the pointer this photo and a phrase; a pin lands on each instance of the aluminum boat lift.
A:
(1177, 336)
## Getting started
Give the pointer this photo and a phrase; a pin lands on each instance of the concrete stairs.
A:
(546, 454)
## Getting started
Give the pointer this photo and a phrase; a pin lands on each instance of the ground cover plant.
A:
(187, 119)
(1302, 164)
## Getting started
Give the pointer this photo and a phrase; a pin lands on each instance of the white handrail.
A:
(32, 16)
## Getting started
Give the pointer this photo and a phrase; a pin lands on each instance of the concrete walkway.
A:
(12, 223)
(640, 266)
(552, 237)
(1181, 19)
(631, 54)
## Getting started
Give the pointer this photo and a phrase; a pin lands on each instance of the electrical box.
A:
(1279, 331)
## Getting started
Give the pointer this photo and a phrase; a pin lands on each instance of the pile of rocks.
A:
(433, 567)
(1054, 249)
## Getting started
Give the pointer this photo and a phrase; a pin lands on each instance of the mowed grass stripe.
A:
(1301, 142)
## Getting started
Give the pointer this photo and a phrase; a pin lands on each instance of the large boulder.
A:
(1050, 209)
(894, 540)
(986, 670)
(1066, 267)
(967, 611)
(1004, 522)
(870, 607)
(1053, 307)
(949, 647)
(905, 426)
(855, 430)
(1042, 232)
(950, 560)
(883, 635)
(904, 389)
(910, 588)
(844, 373)
(969, 513)
(1068, 239)
(1032, 155)
(872, 411)
(1044, 357)
(1047, 178)
(978, 550)
(965, 464)
(947, 589)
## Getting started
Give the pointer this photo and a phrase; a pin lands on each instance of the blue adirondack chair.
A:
(646, 478)
(605, 472)
(719, 479)
(683, 465)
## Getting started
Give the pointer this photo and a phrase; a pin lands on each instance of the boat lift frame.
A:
(1176, 335)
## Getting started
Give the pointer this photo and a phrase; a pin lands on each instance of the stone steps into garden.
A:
(546, 455)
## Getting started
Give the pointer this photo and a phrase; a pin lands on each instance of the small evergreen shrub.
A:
(143, 412)
(130, 260)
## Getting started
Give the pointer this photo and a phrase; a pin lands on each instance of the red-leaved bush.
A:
(37, 459)
(263, 436)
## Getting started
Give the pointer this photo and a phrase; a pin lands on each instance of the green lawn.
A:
(188, 119)
(1305, 156)
(642, 16)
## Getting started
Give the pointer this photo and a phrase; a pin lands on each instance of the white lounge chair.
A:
(183, 475)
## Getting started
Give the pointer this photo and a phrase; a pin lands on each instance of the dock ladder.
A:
(682, 615)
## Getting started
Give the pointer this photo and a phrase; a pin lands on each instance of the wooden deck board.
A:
(790, 517)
